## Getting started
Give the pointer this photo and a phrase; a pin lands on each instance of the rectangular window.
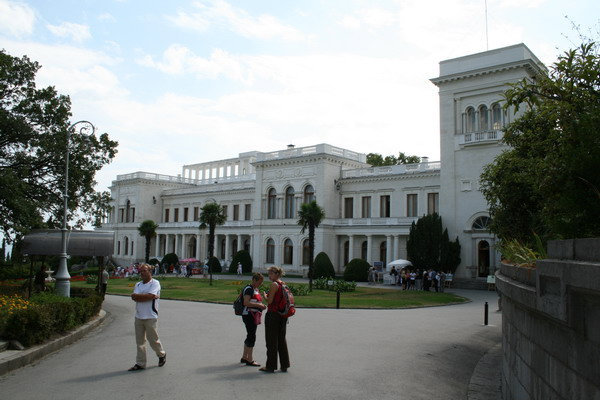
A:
(121, 215)
(119, 247)
(411, 205)
(167, 214)
(185, 214)
(132, 214)
(236, 212)
(384, 206)
(366, 207)
(196, 215)
(433, 203)
(348, 207)
(176, 215)
(225, 211)
(248, 212)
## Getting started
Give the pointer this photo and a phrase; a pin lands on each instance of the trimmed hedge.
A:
(48, 314)
(337, 285)
(322, 266)
(357, 270)
(214, 265)
(244, 257)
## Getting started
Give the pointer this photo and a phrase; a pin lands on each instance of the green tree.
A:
(323, 266)
(147, 229)
(428, 245)
(310, 216)
(34, 124)
(211, 215)
(548, 181)
(377, 160)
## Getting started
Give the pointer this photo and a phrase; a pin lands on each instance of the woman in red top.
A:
(275, 325)
(251, 315)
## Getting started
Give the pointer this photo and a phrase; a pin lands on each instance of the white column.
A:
(198, 243)
(350, 248)
(240, 245)
(227, 247)
(176, 247)
(369, 248)
(157, 246)
(396, 246)
(183, 246)
(388, 249)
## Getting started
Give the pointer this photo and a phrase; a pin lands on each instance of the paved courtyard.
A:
(426, 353)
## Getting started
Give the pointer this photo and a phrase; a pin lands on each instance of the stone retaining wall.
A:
(551, 324)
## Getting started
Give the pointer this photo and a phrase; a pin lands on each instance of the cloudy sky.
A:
(182, 82)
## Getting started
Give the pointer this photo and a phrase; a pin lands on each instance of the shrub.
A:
(153, 261)
(322, 266)
(357, 270)
(299, 289)
(214, 265)
(170, 259)
(47, 314)
(243, 257)
(337, 285)
(14, 272)
(91, 279)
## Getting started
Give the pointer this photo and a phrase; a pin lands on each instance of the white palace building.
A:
(369, 210)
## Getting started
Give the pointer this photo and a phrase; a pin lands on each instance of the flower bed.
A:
(45, 314)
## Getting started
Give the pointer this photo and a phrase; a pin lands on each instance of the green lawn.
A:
(225, 291)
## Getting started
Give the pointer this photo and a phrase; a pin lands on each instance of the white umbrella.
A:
(399, 264)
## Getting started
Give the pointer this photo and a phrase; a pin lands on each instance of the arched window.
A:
(270, 251)
(222, 252)
(483, 118)
(309, 194)
(346, 251)
(272, 204)
(288, 252)
(119, 247)
(132, 242)
(234, 246)
(363, 250)
(305, 252)
(481, 223)
(383, 252)
(127, 210)
(289, 203)
(470, 120)
(496, 116)
(126, 246)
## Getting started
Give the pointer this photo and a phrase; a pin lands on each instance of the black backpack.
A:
(238, 304)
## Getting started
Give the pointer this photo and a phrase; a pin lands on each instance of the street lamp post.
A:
(63, 285)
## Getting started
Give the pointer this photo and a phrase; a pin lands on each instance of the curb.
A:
(486, 381)
(13, 359)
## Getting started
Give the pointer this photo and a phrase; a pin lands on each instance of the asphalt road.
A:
(427, 353)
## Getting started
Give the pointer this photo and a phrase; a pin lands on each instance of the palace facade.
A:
(369, 210)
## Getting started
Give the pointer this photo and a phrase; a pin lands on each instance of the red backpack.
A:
(286, 306)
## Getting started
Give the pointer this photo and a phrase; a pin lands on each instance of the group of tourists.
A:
(146, 295)
(417, 280)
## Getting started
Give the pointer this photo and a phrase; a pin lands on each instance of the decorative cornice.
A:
(529, 65)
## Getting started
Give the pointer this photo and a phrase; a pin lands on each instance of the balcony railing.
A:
(490, 136)
(392, 170)
(318, 149)
(190, 181)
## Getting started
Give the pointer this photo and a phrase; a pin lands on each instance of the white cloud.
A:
(106, 17)
(77, 32)
(16, 19)
(219, 12)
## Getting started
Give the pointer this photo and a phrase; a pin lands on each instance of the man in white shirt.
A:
(146, 294)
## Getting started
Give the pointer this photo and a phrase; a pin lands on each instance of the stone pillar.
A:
(227, 247)
(183, 246)
(240, 243)
(157, 246)
(388, 249)
(396, 247)
(350, 247)
(370, 249)
(198, 244)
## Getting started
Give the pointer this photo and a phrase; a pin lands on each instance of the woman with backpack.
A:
(251, 316)
(275, 324)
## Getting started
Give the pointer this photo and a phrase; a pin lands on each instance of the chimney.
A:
(290, 146)
(424, 159)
